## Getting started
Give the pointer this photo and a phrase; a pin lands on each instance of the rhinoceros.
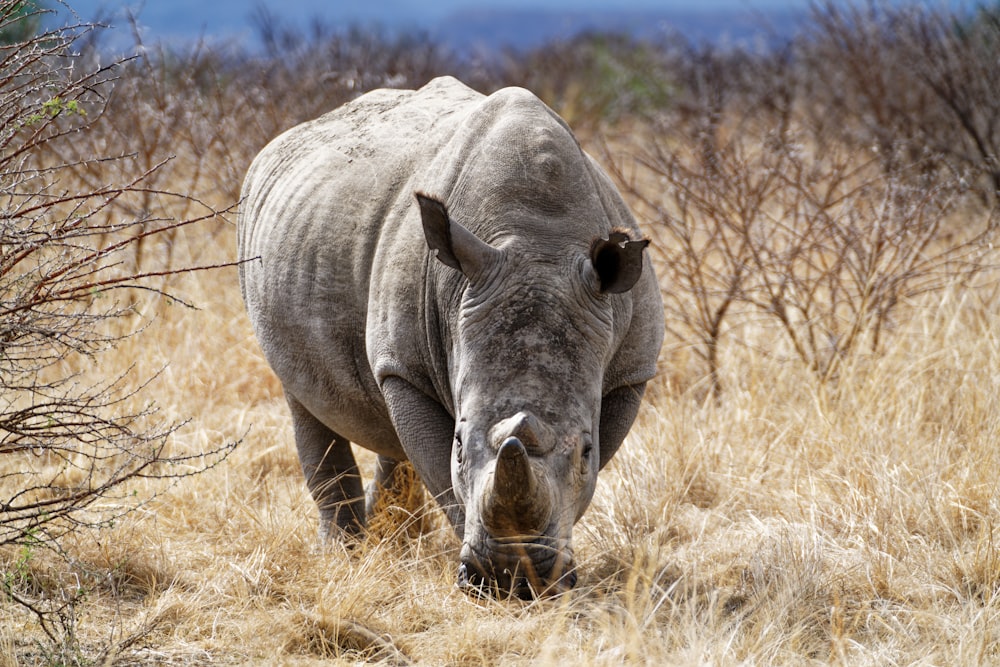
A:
(447, 278)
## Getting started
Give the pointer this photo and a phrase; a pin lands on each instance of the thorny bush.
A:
(68, 289)
(762, 214)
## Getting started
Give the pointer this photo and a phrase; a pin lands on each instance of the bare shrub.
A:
(307, 73)
(673, 176)
(191, 119)
(596, 78)
(71, 439)
(172, 117)
(758, 213)
(915, 83)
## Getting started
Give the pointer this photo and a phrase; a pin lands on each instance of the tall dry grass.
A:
(792, 521)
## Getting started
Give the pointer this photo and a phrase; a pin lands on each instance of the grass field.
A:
(793, 523)
(792, 519)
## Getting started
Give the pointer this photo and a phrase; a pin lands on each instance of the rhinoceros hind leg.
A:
(382, 485)
(331, 474)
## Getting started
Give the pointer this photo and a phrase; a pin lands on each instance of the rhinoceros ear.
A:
(618, 261)
(456, 246)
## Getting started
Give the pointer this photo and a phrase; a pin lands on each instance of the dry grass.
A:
(792, 523)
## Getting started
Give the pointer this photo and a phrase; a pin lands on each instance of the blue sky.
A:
(187, 20)
(194, 12)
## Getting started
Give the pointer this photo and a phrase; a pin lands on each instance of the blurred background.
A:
(459, 24)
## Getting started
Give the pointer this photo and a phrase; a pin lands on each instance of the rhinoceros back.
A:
(316, 204)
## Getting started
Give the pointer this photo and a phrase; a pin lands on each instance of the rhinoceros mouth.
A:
(525, 570)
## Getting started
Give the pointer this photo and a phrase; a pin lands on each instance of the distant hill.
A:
(180, 21)
(528, 28)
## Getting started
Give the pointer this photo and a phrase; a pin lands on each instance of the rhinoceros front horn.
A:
(517, 503)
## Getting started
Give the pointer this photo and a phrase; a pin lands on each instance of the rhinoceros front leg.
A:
(618, 411)
(331, 474)
(426, 431)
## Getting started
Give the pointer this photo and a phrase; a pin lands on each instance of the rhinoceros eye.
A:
(586, 453)
(458, 448)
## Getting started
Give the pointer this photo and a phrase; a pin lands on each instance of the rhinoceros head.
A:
(532, 337)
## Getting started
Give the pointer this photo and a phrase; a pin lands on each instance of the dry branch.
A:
(72, 441)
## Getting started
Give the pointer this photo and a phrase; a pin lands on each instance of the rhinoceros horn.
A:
(516, 503)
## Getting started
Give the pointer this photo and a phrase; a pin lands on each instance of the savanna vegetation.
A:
(814, 478)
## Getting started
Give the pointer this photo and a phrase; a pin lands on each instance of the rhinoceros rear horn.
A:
(456, 246)
(618, 261)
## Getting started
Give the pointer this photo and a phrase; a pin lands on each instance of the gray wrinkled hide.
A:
(379, 344)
